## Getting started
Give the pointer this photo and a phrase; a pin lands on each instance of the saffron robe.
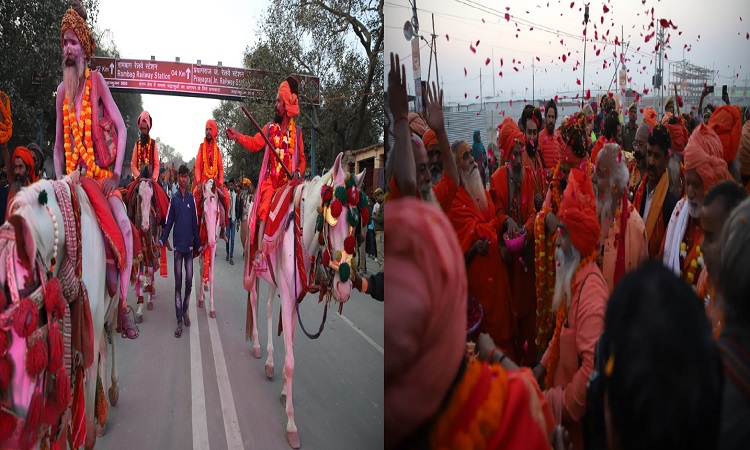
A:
(660, 210)
(551, 146)
(635, 248)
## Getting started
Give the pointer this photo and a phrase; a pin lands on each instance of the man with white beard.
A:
(74, 143)
(704, 168)
(580, 301)
(617, 218)
(477, 227)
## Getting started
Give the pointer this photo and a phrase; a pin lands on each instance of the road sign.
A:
(193, 79)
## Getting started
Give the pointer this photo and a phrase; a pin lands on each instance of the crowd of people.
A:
(594, 296)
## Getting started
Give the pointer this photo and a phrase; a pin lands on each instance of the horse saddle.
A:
(278, 215)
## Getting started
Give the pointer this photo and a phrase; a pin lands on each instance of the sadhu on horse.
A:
(308, 237)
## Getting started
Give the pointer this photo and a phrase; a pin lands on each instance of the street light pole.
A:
(585, 41)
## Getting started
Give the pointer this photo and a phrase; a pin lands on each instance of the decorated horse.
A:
(146, 216)
(311, 238)
(211, 217)
(54, 318)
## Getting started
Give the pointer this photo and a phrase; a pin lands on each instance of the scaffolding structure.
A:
(689, 80)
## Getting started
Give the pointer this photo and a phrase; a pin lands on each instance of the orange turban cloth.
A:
(429, 139)
(679, 135)
(416, 124)
(214, 129)
(704, 153)
(28, 159)
(145, 116)
(726, 121)
(649, 116)
(289, 98)
(743, 153)
(508, 136)
(425, 330)
(72, 20)
(578, 212)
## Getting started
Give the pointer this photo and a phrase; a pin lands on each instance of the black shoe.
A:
(231, 261)
(227, 258)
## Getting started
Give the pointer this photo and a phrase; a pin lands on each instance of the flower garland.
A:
(690, 267)
(210, 168)
(282, 144)
(81, 129)
(562, 316)
(471, 418)
(141, 158)
(6, 126)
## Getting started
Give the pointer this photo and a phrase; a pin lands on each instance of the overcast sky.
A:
(218, 30)
(715, 34)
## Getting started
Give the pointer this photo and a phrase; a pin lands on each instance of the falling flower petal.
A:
(564, 58)
(537, 58)
(477, 44)
(471, 47)
(588, 93)
(606, 10)
(501, 74)
(572, 4)
(447, 38)
(507, 17)
(511, 102)
(465, 95)
(464, 71)
(501, 62)
(578, 81)
(487, 62)
(516, 69)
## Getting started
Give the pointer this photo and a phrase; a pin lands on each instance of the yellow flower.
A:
(694, 264)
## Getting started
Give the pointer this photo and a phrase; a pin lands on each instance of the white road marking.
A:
(200, 424)
(228, 410)
(362, 333)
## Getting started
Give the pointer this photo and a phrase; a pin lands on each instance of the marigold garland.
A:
(692, 261)
(81, 130)
(6, 126)
(143, 156)
(453, 428)
(284, 147)
(210, 167)
(562, 316)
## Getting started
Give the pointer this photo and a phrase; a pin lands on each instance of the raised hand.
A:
(398, 99)
(231, 134)
(435, 118)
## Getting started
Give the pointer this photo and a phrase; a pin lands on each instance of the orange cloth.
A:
(144, 116)
(201, 165)
(71, 20)
(578, 212)
(598, 146)
(137, 160)
(726, 121)
(679, 135)
(28, 159)
(507, 137)
(649, 116)
(487, 275)
(635, 248)
(429, 139)
(551, 147)
(214, 130)
(704, 153)
(416, 124)
(445, 191)
(424, 331)
(577, 343)
(522, 288)
(105, 217)
(291, 103)
(743, 154)
(655, 226)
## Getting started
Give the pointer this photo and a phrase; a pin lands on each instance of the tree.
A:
(169, 154)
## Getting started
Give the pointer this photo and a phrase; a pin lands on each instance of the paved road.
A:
(205, 390)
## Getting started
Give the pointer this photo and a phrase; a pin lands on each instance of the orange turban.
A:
(649, 116)
(679, 135)
(743, 153)
(425, 331)
(290, 99)
(726, 121)
(145, 116)
(429, 139)
(28, 159)
(704, 153)
(508, 136)
(214, 129)
(72, 20)
(578, 212)
(416, 124)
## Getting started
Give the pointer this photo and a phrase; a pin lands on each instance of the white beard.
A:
(564, 274)
(472, 182)
(71, 79)
(694, 212)
(429, 196)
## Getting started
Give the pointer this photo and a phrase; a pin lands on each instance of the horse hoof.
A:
(101, 430)
(114, 395)
(292, 437)
(201, 303)
(150, 305)
(256, 353)
(269, 373)
(138, 318)
(212, 314)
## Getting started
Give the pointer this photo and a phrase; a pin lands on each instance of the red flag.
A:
(163, 262)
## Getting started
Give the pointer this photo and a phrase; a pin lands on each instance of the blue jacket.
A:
(183, 215)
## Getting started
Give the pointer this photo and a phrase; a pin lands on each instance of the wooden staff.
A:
(268, 142)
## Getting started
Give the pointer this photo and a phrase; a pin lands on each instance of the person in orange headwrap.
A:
(23, 173)
(580, 296)
(416, 124)
(512, 192)
(704, 167)
(146, 154)
(473, 217)
(726, 121)
(649, 116)
(286, 136)
(428, 381)
(208, 166)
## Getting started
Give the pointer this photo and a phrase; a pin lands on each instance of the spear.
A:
(260, 130)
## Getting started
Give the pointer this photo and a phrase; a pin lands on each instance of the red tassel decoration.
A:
(365, 214)
(6, 373)
(51, 410)
(34, 418)
(336, 208)
(3, 300)
(52, 298)
(63, 389)
(55, 348)
(349, 244)
(25, 317)
(4, 342)
(326, 258)
(7, 425)
(353, 196)
(36, 358)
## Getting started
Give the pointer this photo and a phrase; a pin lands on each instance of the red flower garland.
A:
(25, 318)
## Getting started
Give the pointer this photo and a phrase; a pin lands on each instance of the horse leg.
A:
(151, 287)
(130, 329)
(269, 317)
(139, 294)
(101, 426)
(287, 307)
(253, 296)
(212, 255)
(114, 389)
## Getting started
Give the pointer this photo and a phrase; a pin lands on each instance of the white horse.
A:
(144, 217)
(43, 229)
(284, 268)
(211, 219)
